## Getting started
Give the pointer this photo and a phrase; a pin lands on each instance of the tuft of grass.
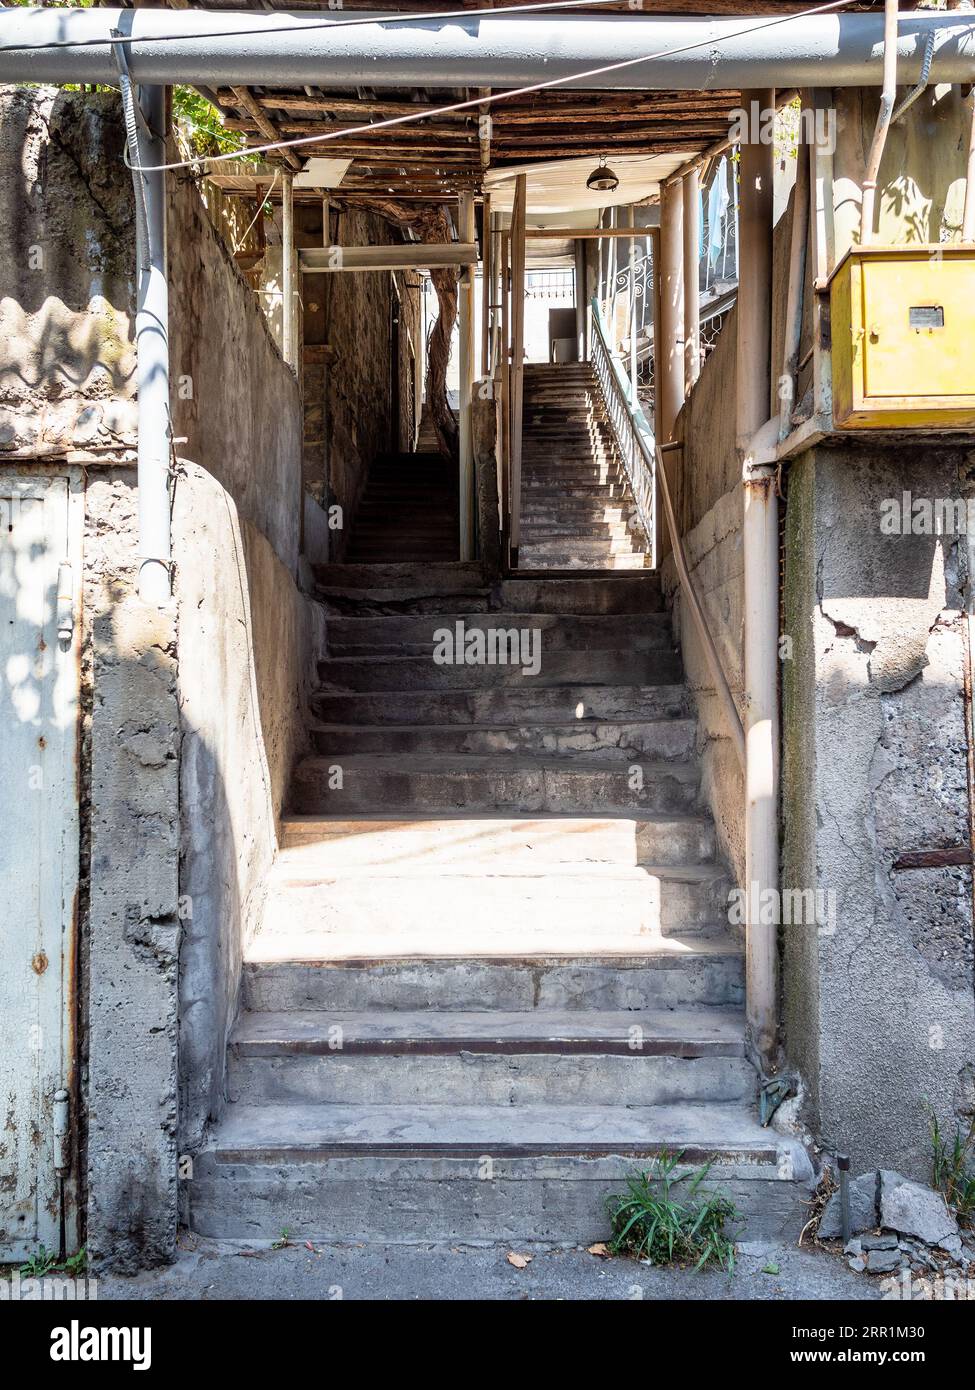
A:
(953, 1168)
(666, 1218)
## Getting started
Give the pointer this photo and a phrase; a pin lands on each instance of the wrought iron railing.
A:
(631, 429)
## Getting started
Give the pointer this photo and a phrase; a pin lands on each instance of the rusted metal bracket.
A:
(934, 858)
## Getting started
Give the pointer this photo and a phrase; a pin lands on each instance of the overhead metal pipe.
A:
(278, 49)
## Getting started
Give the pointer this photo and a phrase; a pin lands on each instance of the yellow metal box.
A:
(902, 331)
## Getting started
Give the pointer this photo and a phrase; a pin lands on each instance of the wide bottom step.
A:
(476, 1173)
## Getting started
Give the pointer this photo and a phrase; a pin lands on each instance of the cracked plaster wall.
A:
(880, 1013)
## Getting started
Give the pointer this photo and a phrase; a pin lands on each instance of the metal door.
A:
(40, 545)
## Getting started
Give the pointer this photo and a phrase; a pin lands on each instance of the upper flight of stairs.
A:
(496, 972)
(408, 511)
(578, 510)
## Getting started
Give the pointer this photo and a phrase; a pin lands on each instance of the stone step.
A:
(414, 634)
(429, 914)
(504, 705)
(402, 588)
(558, 508)
(603, 666)
(455, 577)
(542, 493)
(585, 594)
(675, 972)
(534, 531)
(544, 843)
(581, 547)
(583, 740)
(547, 555)
(572, 1057)
(484, 1173)
(467, 782)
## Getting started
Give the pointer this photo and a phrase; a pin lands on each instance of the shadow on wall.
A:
(247, 650)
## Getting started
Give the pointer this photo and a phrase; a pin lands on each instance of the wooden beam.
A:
(584, 233)
(245, 101)
(415, 255)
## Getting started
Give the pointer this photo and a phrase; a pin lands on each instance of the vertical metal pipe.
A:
(692, 279)
(287, 270)
(517, 355)
(669, 344)
(152, 366)
(888, 96)
(757, 435)
(465, 218)
(754, 306)
(487, 284)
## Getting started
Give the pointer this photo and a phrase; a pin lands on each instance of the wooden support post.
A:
(692, 279)
(670, 345)
(517, 355)
(754, 309)
(466, 373)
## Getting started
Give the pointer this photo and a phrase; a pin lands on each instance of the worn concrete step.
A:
(419, 1198)
(574, 550)
(544, 493)
(615, 533)
(283, 1134)
(513, 704)
(573, 1057)
(499, 1173)
(674, 972)
(541, 556)
(602, 666)
(664, 739)
(580, 510)
(545, 843)
(585, 594)
(402, 912)
(417, 634)
(364, 783)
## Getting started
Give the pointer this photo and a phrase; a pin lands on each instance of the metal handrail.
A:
(634, 438)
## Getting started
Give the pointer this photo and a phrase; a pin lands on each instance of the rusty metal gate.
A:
(40, 570)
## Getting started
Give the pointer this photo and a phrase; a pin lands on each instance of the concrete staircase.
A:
(408, 511)
(578, 510)
(496, 972)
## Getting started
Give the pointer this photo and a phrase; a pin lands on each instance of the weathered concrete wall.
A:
(708, 502)
(234, 400)
(187, 747)
(247, 645)
(879, 1015)
(67, 360)
(130, 922)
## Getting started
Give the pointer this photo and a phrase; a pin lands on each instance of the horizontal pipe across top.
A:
(289, 49)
